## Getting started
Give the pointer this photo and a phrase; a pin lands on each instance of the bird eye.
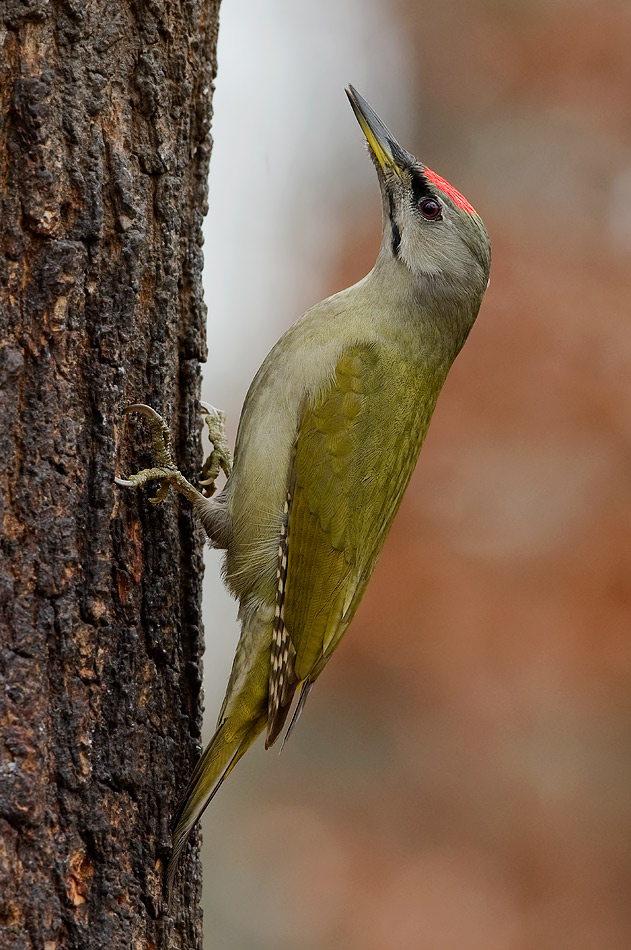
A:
(430, 209)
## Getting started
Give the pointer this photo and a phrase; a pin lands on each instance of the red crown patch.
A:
(448, 189)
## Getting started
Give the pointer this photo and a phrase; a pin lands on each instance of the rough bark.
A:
(104, 147)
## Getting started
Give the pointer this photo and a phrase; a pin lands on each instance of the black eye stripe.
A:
(420, 187)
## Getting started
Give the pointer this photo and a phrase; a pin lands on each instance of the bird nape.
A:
(329, 435)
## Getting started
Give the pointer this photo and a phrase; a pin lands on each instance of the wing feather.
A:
(356, 449)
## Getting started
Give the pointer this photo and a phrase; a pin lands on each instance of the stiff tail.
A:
(218, 759)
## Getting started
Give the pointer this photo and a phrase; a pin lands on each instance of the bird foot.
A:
(166, 471)
(220, 458)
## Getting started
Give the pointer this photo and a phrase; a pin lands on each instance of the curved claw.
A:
(145, 411)
(208, 410)
(124, 482)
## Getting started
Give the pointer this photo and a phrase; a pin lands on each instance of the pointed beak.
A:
(385, 147)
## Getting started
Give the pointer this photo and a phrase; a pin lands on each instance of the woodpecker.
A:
(329, 435)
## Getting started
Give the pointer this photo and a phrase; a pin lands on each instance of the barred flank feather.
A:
(282, 678)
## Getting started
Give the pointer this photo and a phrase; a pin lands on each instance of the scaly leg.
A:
(220, 457)
(166, 471)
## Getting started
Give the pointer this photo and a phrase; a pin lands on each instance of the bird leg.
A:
(220, 457)
(166, 471)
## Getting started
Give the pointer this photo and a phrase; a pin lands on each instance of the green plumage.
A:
(354, 449)
(329, 436)
(354, 457)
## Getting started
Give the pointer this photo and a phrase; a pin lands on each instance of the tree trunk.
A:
(104, 147)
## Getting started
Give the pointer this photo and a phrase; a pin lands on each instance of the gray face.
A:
(427, 225)
(431, 229)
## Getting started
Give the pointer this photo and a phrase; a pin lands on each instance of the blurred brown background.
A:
(460, 777)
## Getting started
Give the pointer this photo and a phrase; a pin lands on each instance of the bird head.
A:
(428, 226)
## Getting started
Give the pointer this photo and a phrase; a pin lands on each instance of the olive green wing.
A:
(356, 449)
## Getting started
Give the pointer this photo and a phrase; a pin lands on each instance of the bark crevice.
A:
(104, 146)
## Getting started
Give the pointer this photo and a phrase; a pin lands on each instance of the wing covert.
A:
(356, 449)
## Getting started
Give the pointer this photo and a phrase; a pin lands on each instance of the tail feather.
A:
(218, 759)
(300, 705)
